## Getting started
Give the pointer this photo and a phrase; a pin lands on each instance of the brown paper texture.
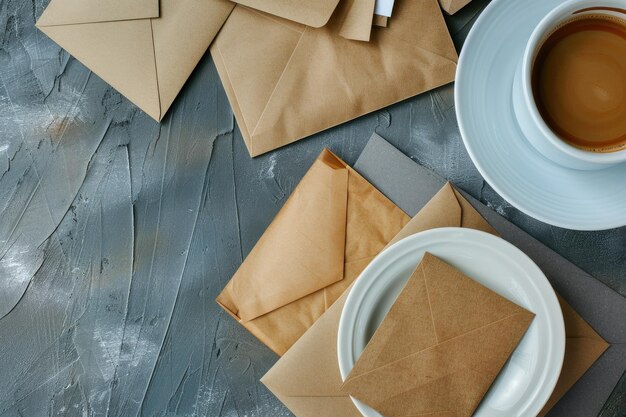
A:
(144, 51)
(357, 23)
(328, 231)
(286, 81)
(440, 347)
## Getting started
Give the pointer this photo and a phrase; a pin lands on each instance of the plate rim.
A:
(549, 297)
(484, 20)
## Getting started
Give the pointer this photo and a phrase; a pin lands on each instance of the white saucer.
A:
(528, 379)
(582, 200)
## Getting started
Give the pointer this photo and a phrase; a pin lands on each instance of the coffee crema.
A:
(579, 82)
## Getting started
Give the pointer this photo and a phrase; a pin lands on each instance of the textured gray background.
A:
(117, 233)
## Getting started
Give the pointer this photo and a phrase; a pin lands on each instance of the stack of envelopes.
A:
(290, 68)
(328, 231)
(286, 81)
(307, 378)
(291, 288)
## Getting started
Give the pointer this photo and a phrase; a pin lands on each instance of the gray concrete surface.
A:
(117, 233)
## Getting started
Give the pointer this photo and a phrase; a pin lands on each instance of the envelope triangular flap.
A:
(120, 52)
(315, 13)
(458, 303)
(304, 245)
(182, 35)
(450, 376)
(252, 48)
(67, 12)
(443, 210)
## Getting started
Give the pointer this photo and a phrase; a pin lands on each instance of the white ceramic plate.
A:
(582, 200)
(527, 380)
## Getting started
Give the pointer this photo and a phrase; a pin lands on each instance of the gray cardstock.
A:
(411, 186)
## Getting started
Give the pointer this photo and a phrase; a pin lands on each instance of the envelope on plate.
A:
(440, 346)
(411, 186)
(145, 49)
(286, 81)
(307, 379)
(330, 228)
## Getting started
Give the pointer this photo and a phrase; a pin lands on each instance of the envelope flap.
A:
(452, 376)
(458, 303)
(315, 13)
(120, 52)
(443, 210)
(67, 12)
(302, 251)
(181, 37)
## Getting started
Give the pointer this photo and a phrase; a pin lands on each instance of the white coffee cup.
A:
(530, 121)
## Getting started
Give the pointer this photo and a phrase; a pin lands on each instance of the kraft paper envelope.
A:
(330, 228)
(583, 347)
(356, 21)
(286, 81)
(306, 379)
(588, 375)
(440, 346)
(145, 49)
(453, 6)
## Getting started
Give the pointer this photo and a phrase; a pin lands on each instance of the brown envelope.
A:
(286, 81)
(143, 50)
(583, 346)
(307, 377)
(330, 228)
(453, 6)
(440, 347)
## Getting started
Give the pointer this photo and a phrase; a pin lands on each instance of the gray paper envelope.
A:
(411, 186)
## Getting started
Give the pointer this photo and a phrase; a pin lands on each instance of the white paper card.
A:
(383, 7)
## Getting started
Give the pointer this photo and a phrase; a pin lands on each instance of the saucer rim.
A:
(596, 224)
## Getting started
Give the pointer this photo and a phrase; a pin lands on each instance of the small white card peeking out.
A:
(383, 7)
